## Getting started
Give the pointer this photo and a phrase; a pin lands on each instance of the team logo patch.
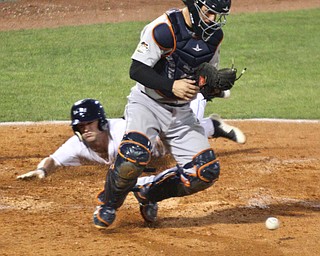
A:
(143, 47)
(80, 111)
(197, 48)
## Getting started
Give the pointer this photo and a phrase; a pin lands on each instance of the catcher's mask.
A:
(88, 110)
(202, 28)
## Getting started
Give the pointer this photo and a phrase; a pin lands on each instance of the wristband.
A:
(43, 169)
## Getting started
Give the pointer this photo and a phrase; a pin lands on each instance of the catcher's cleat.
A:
(103, 217)
(221, 129)
(148, 210)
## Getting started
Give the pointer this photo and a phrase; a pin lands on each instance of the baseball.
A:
(272, 223)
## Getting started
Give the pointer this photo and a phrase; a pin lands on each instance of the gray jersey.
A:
(149, 53)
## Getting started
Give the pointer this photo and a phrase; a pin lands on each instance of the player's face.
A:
(89, 130)
(207, 16)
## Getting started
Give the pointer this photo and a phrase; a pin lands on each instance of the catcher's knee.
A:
(134, 154)
(207, 166)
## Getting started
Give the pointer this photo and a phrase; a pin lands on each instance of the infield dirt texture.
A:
(276, 173)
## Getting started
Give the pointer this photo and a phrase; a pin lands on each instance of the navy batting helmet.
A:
(205, 30)
(88, 110)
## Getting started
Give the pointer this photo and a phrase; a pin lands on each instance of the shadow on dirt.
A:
(239, 215)
(236, 216)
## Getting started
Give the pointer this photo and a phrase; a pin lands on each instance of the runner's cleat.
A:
(221, 129)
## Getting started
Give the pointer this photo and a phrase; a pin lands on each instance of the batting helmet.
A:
(206, 29)
(88, 110)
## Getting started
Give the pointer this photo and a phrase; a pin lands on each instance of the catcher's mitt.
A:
(213, 82)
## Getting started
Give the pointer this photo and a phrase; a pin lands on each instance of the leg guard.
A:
(176, 183)
(133, 155)
(207, 166)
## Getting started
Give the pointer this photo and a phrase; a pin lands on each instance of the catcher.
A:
(166, 66)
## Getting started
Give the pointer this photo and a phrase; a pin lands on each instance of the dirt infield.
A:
(276, 173)
(25, 14)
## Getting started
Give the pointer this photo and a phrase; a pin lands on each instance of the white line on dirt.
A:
(275, 120)
(34, 123)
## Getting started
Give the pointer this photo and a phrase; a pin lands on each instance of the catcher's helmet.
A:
(88, 110)
(206, 29)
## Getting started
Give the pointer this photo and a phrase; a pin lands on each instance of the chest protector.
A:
(187, 50)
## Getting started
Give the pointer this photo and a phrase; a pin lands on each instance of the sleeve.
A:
(148, 52)
(215, 61)
(149, 77)
(156, 39)
(68, 153)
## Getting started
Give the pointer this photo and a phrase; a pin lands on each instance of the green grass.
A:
(43, 72)
(280, 51)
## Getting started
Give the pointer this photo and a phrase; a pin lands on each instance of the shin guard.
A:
(176, 182)
(133, 155)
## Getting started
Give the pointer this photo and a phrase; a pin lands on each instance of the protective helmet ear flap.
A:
(103, 125)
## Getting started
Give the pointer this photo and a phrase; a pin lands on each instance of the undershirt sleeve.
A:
(148, 77)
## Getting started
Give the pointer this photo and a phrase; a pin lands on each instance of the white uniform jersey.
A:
(74, 152)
